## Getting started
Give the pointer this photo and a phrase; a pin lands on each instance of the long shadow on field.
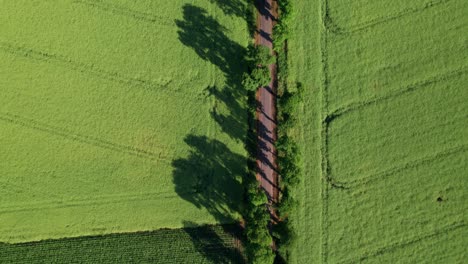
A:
(206, 36)
(216, 246)
(238, 8)
(211, 166)
(211, 177)
(207, 244)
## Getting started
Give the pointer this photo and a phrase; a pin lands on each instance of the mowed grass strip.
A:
(305, 67)
(106, 119)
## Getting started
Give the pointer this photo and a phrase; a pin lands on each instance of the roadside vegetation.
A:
(256, 215)
(289, 104)
(260, 235)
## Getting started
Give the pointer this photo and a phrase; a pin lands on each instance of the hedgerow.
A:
(258, 240)
(289, 100)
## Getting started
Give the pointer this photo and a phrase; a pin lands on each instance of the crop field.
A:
(118, 116)
(391, 128)
(200, 245)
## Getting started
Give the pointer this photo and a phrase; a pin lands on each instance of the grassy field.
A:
(390, 183)
(305, 67)
(118, 116)
(199, 245)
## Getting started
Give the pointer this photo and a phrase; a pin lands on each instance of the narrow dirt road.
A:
(266, 112)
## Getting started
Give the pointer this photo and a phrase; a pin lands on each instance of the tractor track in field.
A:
(357, 105)
(83, 139)
(336, 29)
(86, 201)
(396, 169)
(123, 11)
(266, 108)
(407, 242)
(87, 69)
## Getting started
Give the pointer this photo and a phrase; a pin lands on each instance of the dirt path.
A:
(266, 113)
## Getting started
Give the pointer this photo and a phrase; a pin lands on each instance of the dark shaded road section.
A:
(266, 112)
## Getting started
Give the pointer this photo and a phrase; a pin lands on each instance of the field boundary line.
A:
(386, 173)
(88, 201)
(325, 166)
(36, 55)
(336, 29)
(351, 107)
(96, 142)
(122, 11)
(227, 238)
(407, 242)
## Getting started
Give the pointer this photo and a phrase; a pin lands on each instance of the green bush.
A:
(258, 74)
(256, 215)
(259, 56)
(282, 28)
(290, 99)
(258, 77)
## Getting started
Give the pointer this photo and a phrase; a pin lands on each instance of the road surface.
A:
(266, 112)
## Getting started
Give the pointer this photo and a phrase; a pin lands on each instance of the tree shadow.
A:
(191, 244)
(206, 36)
(238, 8)
(216, 246)
(211, 177)
(263, 8)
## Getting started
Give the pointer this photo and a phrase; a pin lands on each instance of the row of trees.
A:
(289, 102)
(256, 214)
(259, 239)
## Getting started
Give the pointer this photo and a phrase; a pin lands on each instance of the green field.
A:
(305, 67)
(118, 116)
(386, 109)
(200, 245)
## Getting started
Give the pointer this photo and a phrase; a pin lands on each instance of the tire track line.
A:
(336, 29)
(396, 245)
(341, 111)
(68, 63)
(325, 186)
(386, 173)
(96, 200)
(96, 142)
(122, 11)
